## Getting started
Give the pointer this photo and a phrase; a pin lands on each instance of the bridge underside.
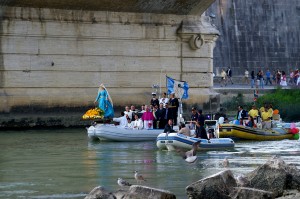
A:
(178, 7)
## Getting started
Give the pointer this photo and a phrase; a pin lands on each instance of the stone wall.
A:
(57, 58)
(256, 34)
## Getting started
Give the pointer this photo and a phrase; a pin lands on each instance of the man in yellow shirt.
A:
(270, 111)
(266, 120)
(253, 112)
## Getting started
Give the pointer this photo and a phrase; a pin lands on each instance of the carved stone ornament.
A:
(196, 41)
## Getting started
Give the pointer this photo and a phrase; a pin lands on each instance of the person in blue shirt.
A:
(268, 75)
(250, 122)
(105, 102)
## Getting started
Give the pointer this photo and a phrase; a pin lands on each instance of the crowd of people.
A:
(261, 78)
(152, 116)
(255, 116)
(276, 78)
(162, 114)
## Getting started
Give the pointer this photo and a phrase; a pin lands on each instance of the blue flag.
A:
(180, 88)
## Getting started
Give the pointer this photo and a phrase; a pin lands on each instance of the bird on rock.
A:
(225, 162)
(123, 183)
(138, 177)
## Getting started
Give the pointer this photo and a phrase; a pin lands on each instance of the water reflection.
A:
(64, 164)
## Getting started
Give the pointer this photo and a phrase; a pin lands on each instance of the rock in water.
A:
(100, 193)
(276, 176)
(218, 186)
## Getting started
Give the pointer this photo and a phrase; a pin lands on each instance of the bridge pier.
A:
(56, 58)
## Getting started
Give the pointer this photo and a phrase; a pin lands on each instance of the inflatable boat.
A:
(171, 141)
(111, 132)
(242, 132)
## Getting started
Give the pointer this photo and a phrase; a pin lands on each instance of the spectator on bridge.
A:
(283, 79)
(268, 76)
(296, 77)
(278, 76)
(229, 75)
(223, 78)
(260, 78)
(246, 77)
(291, 80)
(252, 79)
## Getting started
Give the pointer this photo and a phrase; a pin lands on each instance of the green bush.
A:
(287, 101)
(231, 105)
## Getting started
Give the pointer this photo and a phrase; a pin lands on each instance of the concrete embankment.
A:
(36, 117)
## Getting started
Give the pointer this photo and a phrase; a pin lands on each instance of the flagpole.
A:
(160, 83)
(166, 84)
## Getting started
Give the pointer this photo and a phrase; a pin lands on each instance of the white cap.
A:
(153, 93)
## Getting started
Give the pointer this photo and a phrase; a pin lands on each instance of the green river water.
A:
(63, 163)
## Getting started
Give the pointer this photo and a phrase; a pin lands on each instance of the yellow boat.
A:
(247, 133)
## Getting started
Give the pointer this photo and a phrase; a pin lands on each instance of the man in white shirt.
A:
(122, 120)
(163, 100)
(128, 112)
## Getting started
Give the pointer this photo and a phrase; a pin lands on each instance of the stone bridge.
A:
(55, 53)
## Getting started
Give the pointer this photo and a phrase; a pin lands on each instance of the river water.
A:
(63, 163)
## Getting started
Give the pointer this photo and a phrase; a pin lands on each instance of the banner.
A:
(180, 88)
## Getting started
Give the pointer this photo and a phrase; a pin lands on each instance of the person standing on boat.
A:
(174, 104)
(154, 101)
(105, 102)
(241, 114)
(169, 127)
(160, 116)
(133, 112)
(148, 118)
(128, 112)
(266, 120)
(201, 117)
(164, 100)
(253, 112)
(194, 118)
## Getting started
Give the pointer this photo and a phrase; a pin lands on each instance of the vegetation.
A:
(233, 103)
(287, 101)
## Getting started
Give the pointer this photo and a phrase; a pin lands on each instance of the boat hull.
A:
(242, 132)
(114, 133)
(172, 140)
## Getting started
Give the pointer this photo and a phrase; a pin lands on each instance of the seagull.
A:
(123, 183)
(190, 156)
(138, 177)
(225, 162)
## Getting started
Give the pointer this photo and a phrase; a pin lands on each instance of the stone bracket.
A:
(196, 32)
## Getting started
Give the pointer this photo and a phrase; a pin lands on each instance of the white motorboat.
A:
(115, 133)
(171, 141)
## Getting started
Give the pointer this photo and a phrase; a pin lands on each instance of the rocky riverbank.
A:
(274, 179)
